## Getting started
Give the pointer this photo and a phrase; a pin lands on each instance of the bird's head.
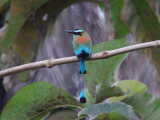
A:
(77, 32)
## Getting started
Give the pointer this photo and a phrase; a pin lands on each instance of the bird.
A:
(82, 45)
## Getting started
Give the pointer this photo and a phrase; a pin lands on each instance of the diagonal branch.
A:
(53, 62)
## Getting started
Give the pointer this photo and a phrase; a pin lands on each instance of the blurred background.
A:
(32, 30)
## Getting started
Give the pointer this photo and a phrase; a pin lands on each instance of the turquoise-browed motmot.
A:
(82, 47)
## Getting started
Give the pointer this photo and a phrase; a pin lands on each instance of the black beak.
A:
(70, 31)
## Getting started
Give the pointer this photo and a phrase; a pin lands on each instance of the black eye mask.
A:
(78, 33)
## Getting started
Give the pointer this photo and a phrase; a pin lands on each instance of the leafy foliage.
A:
(36, 99)
(121, 30)
(95, 110)
(111, 116)
(143, 23)
(129, 87)
(63, 114)
(102, 71)
(146, 105)
(103, 92)
(20, 11)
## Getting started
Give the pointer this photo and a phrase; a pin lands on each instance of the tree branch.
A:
(53, 62)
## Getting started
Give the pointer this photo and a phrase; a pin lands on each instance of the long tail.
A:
(82, 97)
(82, 67)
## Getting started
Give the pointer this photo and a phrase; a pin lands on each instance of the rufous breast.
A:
(82, 39)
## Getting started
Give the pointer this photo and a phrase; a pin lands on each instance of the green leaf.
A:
(94, 111)
(104, 70)
(20, 11)
(146, 105)
(120, 29)
(130, 87)
(36, 99)
(111, 116)
(62, 114)
(103, 92)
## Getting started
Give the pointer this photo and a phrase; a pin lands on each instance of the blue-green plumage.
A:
(82, 53)
(82, 66)
(82, 47)
(82, 97)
